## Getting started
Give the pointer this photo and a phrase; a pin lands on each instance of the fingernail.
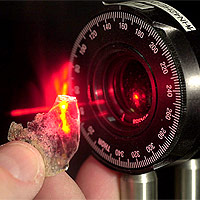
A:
(21, 160)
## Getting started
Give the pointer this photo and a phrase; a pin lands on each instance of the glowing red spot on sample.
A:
(63, 109)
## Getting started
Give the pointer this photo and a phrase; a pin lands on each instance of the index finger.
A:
(98, 182)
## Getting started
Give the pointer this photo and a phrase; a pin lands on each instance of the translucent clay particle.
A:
(55, 134)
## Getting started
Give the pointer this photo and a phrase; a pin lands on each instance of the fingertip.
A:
(61, 186)
(22, 169)
(96, 180)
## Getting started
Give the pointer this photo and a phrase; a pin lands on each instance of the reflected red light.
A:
(63, 105)
(93, 103)
(99, 92)
(135, 96)
(98, 102)
(138, 98)
(103, 114)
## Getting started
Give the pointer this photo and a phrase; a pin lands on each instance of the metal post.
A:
(138, 187)
(187, 180)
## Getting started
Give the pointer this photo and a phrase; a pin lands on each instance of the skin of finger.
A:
(61, 186)
(98, 182)
(16, 189)
(12, 188)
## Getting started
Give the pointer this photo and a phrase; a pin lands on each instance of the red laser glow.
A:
(63, 109)
(57, 84)
(135, 96)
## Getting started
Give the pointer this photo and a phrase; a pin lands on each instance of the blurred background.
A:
(36, 39)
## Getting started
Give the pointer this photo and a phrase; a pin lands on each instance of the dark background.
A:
(35, 40)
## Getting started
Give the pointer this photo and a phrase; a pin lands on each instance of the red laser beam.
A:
(28, 111)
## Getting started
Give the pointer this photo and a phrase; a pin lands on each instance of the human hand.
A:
(22, 176)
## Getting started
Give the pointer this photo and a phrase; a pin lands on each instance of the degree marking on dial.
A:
(154, 33)
(177, 89)
(178, 102)
(178, 96)
(173, 70)
(158, 41)
(171, 128)
(170, 60)
(145, 27)
(141, 25)
(176, 122)
(166, 145)
(165, 51)
(139, 21)
(156, 37)
(175, 116)
(174, 126)
(174, 77)
(132, 21)
(159, 153)
(150, 32)
(169, 138)
(136, 20)
(167, 55)
(178, 106)
(167, 142)
(170, 64)
(96, 22)
(164, 47)
(177, 110)
(148, 28)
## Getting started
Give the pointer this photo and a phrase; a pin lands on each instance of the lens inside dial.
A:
(123, 88)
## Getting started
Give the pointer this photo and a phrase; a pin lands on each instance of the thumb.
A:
(21, 171)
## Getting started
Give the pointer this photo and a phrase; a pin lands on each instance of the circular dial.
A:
(130, 89)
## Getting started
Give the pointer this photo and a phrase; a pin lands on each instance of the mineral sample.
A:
(55, 135)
